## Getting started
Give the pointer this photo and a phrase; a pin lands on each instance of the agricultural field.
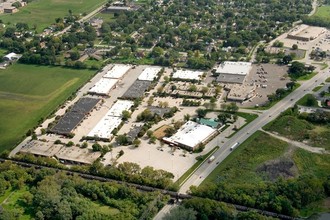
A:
(42, 13)
(29, 93)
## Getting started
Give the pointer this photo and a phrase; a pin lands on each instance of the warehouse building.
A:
(103, 129)
(305, 33)
(76, 155)
(112, 120)
(40, 148)
(103, 86)
(191, 136)
(149, 74)
(117, 71)
(120, 106)
(187, 75)
(137, 90)
(241, 93)
(233, 72)
(75, 116)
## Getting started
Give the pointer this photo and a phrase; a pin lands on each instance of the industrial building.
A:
(117, 71)
(103, 129)
(76, 155)
(241, 93)
(103, 86)
(233, 72)
(72, 118)
(71, 155)
(191, 135)
(40, 148)
(149, 74)
(187, 75)
(120, 106)
(305, 33)
(136, 90)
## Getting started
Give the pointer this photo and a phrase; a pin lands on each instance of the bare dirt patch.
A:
(282, 167)
(160, 132)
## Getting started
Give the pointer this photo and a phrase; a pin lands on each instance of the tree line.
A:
(50, 195)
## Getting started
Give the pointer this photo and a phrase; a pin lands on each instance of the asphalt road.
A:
(86, 17)
(200, 174)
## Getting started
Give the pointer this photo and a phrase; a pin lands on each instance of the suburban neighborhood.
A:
(164, 109)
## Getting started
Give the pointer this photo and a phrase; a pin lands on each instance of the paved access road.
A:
(86, 17)
(264, 118)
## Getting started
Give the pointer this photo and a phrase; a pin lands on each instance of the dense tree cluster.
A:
(282, 196)
(205, 31)
(47, 50)
(318, 117)
(129, 172)
(198, 208)
(200, 28)
(298, 69)
(51, 195)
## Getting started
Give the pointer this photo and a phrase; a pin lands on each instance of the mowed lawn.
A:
(28, 93)
(323, 12)
(42, 13)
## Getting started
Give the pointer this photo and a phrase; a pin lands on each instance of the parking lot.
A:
(268, 78)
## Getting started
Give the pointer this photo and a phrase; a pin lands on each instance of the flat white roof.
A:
(103, 86)
(191, 134)
(120, 106)
(187, 74)
(149, 73)
(104, 128)
(237, 68)
(307, 31)
(117, 71)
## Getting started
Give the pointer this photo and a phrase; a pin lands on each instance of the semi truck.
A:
(234, 146)
(211, 158)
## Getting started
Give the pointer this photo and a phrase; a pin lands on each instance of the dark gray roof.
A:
(136, 90)
(73, 117)
(231, 78)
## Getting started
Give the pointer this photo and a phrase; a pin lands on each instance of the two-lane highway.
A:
(200, 174)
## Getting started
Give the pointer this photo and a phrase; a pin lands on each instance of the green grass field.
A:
(248, 118)
(107, 17)
(42, 13)
(323, 12)
(290, 127)
(304, 100)
(301, 130)
(13, 200)
(239, 169)
(240, 166)
(29, 93)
